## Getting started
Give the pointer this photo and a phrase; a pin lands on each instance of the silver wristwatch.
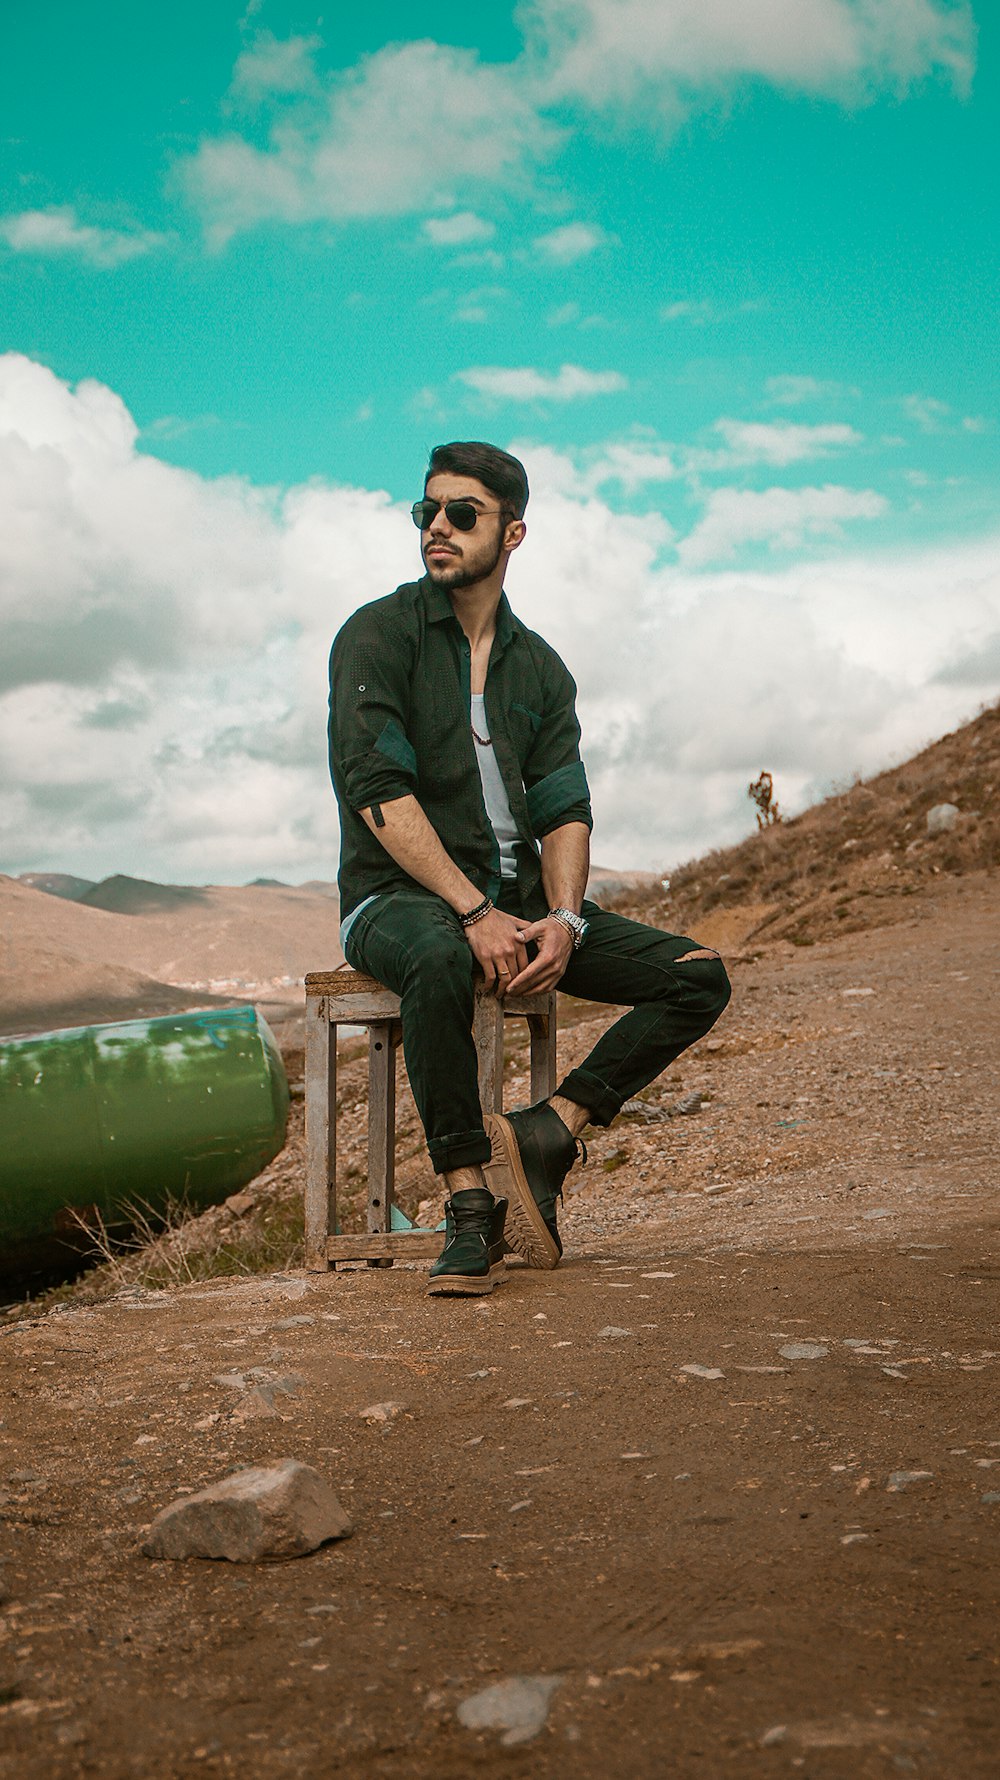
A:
(575, 925)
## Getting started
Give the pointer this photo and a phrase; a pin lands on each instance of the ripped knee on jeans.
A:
(703, 952)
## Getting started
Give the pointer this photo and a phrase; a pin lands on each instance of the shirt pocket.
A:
(524, 727)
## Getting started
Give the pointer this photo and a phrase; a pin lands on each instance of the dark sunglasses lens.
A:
(462, 515)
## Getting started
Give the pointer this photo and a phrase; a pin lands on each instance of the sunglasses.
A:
(462, 515)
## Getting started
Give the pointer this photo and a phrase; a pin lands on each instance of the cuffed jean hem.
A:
(584, 1089)
(460, 1149)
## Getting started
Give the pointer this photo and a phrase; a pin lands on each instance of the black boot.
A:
(471, 1262)
(532, 1154)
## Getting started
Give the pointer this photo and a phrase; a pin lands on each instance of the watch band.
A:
(574, 924)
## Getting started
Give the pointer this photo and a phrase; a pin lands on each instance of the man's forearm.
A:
(409, 839)
(566, 865)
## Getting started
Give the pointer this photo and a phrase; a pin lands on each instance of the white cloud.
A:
(58, 231)
(415, 124)
(573, 241)
(926, 412)
(165, 641)
(609, 52)
(780, 518)
(758, 442)
(455, 230)
(422, 123)
(791, 391)
(522, 383)
(276, 65)
(698, 313)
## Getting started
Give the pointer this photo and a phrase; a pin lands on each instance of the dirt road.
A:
(730, 1478)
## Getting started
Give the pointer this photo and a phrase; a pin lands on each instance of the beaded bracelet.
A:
(477, 914)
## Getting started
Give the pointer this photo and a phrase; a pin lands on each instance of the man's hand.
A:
(499, 949)
(555, 949)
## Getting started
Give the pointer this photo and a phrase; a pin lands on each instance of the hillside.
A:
(851, 862)
(67, 963)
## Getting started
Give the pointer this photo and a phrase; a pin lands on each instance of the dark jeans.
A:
(414, 943)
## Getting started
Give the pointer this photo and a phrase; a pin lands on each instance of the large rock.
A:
(518, 1707)
(943, 818)
(273, 1511)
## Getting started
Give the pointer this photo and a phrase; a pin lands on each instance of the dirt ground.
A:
(730, 1477)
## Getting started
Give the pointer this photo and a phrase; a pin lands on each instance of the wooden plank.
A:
(487, 1030)
(535, 1002)
(357, 1010)
(542, 1030)
(343, 981)
(395, 1245)
(381, 1125)
(321, 1135)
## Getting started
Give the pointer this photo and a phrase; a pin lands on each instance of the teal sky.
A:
(852, 243)
(726, 269)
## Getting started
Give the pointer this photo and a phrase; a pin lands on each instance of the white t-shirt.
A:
(494, 791)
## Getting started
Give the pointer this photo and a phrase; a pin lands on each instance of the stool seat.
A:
(348, 997)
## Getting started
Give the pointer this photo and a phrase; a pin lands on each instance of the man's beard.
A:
(452, 580)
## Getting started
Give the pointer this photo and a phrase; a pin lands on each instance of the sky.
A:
(723, 273)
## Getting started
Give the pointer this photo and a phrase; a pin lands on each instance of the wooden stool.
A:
(345, 997)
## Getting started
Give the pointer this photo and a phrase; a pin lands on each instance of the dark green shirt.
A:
(400, 689)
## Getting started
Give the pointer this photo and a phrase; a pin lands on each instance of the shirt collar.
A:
(438, 606)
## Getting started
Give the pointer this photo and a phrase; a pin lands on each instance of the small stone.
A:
(379, 1415)
(898, 1480)
(518, 1707)
(516, 1403)
(239, 1204)
(274, 1511)
(687, 1105)
(852, 1538)
(257, 1405)
(776, 1734)
(803, 1350)
(610, 1333)
(990, 1496)
(943, 818)
(293, 1322)
(703, 1371)
(233, 1381)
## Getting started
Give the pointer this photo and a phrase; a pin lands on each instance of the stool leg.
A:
(487, 1030)
(321, 1134)
(382, 1038)
(542, 1030)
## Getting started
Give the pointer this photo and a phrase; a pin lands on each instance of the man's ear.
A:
(514, 534)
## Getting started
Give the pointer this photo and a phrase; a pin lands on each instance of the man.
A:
(465, 825)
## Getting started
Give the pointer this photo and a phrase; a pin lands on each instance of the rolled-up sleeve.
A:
(371, 758)
(555, 780)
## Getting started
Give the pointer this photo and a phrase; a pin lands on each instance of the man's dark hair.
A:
(502, 474)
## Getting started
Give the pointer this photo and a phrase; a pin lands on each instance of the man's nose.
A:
(439, 524)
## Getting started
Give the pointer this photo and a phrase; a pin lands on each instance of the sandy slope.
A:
(62, 963)
(730, 1477)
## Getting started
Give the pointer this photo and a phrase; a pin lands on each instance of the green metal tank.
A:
(95, 1118)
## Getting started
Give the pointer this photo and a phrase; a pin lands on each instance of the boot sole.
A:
(525, 1230)
(466, 1285)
